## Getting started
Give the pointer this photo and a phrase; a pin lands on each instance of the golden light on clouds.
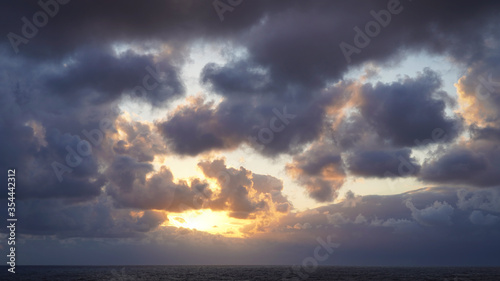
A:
(472, 105)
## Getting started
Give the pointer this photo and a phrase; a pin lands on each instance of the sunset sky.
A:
(252, 132)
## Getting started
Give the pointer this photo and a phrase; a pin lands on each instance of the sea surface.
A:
(129, 273)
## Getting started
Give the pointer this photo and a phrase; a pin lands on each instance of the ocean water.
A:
(129, 273)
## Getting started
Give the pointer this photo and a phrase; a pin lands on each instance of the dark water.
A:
(129, 273)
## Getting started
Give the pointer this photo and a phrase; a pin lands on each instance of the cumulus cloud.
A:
(95, 219)
(336, 219)
(136, 185)
(436, 214)
(102, 75)
(383, 163)
(407, 112)
(487, 199)
(475, 163)
(320, 170)
(244, 194)
(477, 217)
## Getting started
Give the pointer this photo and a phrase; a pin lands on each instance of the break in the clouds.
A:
(158, 126)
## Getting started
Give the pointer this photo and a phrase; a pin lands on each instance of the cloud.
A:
(271, 126)
(246, 195)
(434, 215)
(378, 223)
(94, 219)
(101, 75)
(406, 113)
(279, 59)
(474, 163)
(197, 128)
(140, 141)
(477, 217)
(26, 150)
(360, 219)
(351, 199)
(136, 185)
(320, 170)
(239, 79)
(336, 219)
(383, 164)
(483, 199)
(478, 92)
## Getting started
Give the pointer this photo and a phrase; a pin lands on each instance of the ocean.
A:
(129, 273)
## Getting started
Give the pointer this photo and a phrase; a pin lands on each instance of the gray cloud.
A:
(475, 164)
(383, 163)
(438, 213)
(320, 170)
(406, 112)
(477, 217)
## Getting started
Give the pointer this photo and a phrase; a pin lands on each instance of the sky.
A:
(252, 132)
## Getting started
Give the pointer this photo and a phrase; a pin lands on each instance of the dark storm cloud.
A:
(100, 24)
(195, 129)
(287, 44)
(277, 52)
(406, 112)
(236, 80)
(320, 170)
(272, 43)
(130, 189)
(353, 132)
(95, 219)
(383, 163)
(40, 152)
(485, 133)
(476, 164)
(376, 136)
(202, 126)
(475, 161)
(99, 76)
(25, 150)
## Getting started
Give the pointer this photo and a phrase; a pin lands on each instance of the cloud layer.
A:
(280, 86)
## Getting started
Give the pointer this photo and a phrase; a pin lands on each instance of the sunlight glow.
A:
(207, 221)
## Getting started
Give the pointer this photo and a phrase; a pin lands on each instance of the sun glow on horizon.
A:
(207, 221)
